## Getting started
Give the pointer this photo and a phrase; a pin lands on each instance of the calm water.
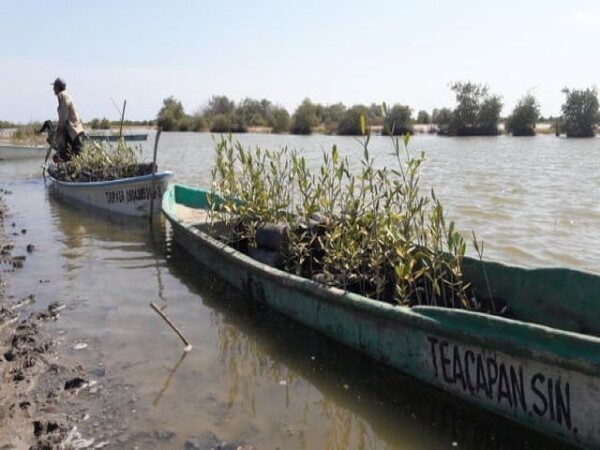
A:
(534, 201)
(254, 375)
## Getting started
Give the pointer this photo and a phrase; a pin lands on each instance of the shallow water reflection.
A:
(318, 394)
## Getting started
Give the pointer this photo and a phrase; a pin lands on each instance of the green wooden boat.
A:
(541, 368)
(115, 137)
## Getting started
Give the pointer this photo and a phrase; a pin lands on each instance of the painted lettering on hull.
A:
(132, 195)
(141, 193)
(502, 382)
(115, 196)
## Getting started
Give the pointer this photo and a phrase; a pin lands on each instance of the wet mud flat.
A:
(33, 379)
(47, 401)
(49, 398)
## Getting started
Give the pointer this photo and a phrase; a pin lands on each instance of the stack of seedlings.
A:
(101, 161)
(372, 233)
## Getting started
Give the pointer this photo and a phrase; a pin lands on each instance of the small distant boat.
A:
(15, 151)
(115, 137)
(132, 196)
(540, 368)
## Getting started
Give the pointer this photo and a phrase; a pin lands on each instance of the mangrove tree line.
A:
(477, 112)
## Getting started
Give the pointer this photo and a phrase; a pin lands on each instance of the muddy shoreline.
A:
(48, 401)
(50, 398)
(34, 379)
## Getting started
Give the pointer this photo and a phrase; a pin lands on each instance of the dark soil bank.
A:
(47, 401)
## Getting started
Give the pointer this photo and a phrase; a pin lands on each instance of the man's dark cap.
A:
(60, 83)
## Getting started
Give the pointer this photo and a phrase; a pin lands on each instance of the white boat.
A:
(15, 151)
(131, 196)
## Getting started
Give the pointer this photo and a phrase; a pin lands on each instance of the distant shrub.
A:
(304, 118)
(184, 124)
(279, 120)
(255, 113)
(397, 121)
(170, 114)
(580, 112)
(376, 115)
(198, 123)
(441, 117)
(219, 105)
(167, 122)
(477, 111)
(221, 123)
(423, 117)
(524, 117)
(350, 123)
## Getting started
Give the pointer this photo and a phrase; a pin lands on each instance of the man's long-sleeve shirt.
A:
(68, 118)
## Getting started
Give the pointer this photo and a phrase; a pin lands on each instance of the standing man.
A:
(69, 133)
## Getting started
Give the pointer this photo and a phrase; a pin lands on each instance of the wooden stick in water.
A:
(153, 195)
(188, 346)
(168, 380)
(122, 119)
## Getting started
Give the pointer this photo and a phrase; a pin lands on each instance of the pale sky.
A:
(330, 51)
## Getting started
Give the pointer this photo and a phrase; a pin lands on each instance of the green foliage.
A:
(198, 123)
(170, 114)
(304, 118)
(487, 119)
(441, 117)
(330, 115)
(27, 133)
(279, 120)
(254, 113)
(228, 123)
(219, 104)
(580, 112)
(101, 161)
(350, 122)
(524, 117)
(167, 122)
(477, 112)
(223, 116)
(97, 124)
(221, 123)
(372, 232)
(376, 114)
(423, 117)
(397, 121)
(184, 124)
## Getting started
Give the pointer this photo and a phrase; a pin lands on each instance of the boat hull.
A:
(16, 152)
(539, 376)
(128, 196)
(114, 138)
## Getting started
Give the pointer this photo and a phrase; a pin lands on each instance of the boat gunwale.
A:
(116, 137)
(23, 146)
(577, 351)
(108, 183)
